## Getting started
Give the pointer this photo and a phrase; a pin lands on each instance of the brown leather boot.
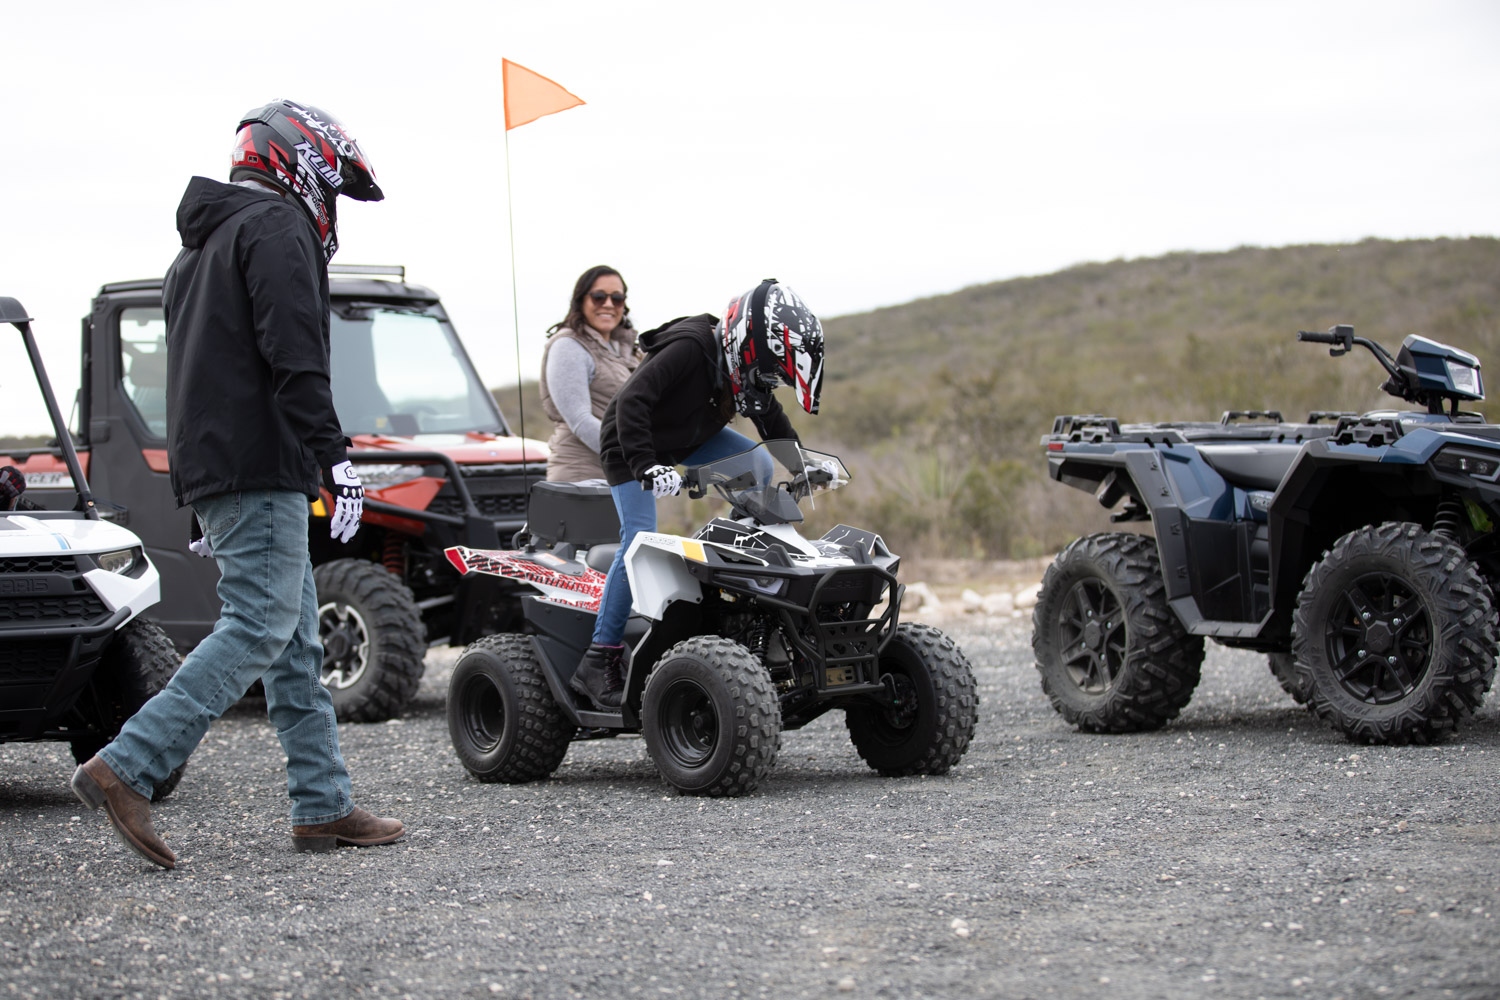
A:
(129, 812)
(358, 829)
(600, 676)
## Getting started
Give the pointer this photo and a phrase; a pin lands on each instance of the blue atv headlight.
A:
(1467, 463)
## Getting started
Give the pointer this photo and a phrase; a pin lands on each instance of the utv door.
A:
(125, 372)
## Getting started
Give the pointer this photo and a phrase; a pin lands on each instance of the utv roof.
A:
(345, 281)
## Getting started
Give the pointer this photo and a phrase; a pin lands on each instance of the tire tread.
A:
(757, 737)
(1163, 662)
(395, 671)
(543, 732)
(1448, 698)
(955, 705)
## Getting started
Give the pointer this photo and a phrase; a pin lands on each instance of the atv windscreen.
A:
(767, 481)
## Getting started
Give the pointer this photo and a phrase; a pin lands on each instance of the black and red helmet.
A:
(307, 153)
(769, 335)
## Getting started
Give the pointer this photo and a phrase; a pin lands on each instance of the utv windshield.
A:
(402, 372)
(766, 482)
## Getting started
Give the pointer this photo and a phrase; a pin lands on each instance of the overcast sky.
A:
(866, 153)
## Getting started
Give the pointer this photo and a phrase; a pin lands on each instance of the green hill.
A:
(937, 405)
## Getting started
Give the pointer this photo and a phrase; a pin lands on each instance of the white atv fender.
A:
(655, 565)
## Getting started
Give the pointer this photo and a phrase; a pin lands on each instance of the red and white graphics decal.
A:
(576, 590)
(795, 338)
(328, 141)
(732, 331)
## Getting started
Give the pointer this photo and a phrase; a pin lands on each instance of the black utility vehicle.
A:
(1358, 551)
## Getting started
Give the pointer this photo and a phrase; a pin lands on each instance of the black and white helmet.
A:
(307, 153)
(769, 334)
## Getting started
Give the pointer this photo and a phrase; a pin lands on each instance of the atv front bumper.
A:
(43, 669)
(845, 649)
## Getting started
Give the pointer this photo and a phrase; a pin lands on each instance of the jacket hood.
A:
(207, 203)
(700, 326)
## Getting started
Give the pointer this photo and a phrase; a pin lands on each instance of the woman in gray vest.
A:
(589, 355)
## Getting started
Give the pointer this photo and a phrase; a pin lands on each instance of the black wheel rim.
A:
(1379, 639)
(482, 713)
(346, 645)
(690, 725)
(1092, 636)
(900, 713)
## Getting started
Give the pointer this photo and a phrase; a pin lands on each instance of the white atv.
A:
(737, 633)
(76, 658)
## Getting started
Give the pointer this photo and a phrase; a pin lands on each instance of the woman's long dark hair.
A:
(574, 320)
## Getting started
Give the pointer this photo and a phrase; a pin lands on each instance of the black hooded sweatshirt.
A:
(674, 402)
(249, 405)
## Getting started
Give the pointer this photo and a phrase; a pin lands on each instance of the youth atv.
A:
(1358, 551)
(742, 631)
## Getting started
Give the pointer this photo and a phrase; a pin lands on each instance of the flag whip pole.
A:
(537, 96)
(515, 313)
(515, 309)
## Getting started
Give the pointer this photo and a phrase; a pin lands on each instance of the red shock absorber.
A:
(394, 556)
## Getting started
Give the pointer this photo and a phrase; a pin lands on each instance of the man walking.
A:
(251, 433)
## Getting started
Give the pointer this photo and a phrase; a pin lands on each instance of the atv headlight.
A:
(1464, 378)
(379, 477)
(120, 561)
(1467, 463)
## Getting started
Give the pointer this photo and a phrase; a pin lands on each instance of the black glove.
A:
(348, 500)
(12, 485)
(661, 481)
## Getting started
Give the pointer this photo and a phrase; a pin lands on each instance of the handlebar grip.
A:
(1317, 337)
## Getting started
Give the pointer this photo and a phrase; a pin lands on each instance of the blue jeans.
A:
(267, 630)
(637, 509)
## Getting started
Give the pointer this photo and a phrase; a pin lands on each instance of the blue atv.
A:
(1358, 551)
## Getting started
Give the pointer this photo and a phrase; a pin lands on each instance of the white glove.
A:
(198, 542)
(824, 473)
(348, 500)
(662, 481)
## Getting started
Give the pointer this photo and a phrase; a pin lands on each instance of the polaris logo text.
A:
(24, 586)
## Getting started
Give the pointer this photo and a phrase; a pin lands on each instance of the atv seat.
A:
(1251, 466)
(600, 556)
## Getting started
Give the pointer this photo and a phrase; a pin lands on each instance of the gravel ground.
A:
(1243, 851)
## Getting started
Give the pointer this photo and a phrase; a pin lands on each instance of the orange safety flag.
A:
(529, 96)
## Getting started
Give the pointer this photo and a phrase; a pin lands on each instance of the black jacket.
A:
(249, 406)
(674, 402)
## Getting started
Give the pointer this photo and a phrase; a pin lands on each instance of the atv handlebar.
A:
(1341, 335)
(1402, 382)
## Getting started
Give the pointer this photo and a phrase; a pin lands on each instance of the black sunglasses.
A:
(618, 298)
